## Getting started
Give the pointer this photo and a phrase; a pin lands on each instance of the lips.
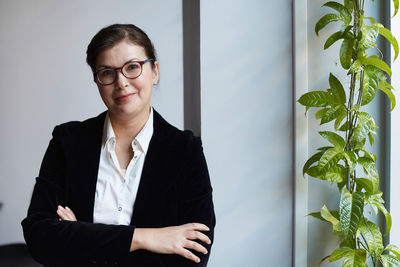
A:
(124, 98)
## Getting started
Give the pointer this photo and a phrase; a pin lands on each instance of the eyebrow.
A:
(109, 67)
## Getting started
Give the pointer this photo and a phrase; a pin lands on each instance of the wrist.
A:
(139, 239)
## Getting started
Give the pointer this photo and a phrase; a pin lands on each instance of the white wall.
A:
(246, 103)
(45, 80)
(395, 142)
(246, 96)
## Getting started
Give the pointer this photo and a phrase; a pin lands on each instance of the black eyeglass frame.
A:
(96, 76)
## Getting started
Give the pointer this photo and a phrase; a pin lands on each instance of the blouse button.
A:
(119, 208)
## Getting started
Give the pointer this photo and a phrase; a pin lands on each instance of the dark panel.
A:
(191, 65)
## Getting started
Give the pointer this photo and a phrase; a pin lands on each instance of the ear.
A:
(155, 70)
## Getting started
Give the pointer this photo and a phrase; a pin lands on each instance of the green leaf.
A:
(314, 158)
(369, 34)
(347, 243)
(334, 139)
(323, 259)
(371, 139)
(375, 72)
(329, 217)
(316, 215)
(346, 53)
(340, 253)
(350, 158)
(372, 235)
(377, 63)
(314, 172)
(335, 174)
(351, 210)
(377, 201)
(389, 93)
(358, 259)
(333, 38)
(371, 19)
(353, 257)
(366, 184)
(389, 261)
(389, 36)
(340, 118)
(328, 159)
(368, 154)
(339, 95)
(332, 114)
(320, 113)
(324, 148)
(349, 4)
(396, 7)
(325, 20)
(394, 249)
(315, 99)
(344, 127)
(344, 13)
(370, 87)
(370, 170)
(364, 126)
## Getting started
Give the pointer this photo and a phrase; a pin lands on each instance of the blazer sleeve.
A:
(196, 203)
(66, 243)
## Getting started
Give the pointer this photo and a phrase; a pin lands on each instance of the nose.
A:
(121, 80)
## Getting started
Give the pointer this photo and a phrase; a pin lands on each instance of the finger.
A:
(71, 213)
(196, 246)
(188, 255)
(197, 226)
(199, 235)
(61, 213)
(65, 214)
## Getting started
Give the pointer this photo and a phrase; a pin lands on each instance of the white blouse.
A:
(116, 188)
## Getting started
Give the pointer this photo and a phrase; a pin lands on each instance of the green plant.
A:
(353, 127)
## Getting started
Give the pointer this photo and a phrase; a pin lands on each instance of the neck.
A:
(129, 127)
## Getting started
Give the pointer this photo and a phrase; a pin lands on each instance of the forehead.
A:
(120, 53)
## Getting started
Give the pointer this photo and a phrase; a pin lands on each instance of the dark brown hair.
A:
(113, 34)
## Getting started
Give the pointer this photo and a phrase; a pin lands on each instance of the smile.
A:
(124, 98)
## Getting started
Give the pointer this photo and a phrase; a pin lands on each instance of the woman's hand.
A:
(166, 240)
(172, 240)
(66, 214)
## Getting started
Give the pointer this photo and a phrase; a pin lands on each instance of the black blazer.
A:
(174, 189)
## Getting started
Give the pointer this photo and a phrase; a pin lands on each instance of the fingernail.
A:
(67, 208)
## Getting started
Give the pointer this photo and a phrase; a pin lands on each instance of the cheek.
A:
(142, 85)
(105, 94)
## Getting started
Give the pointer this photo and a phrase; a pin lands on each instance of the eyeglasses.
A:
(130, 70)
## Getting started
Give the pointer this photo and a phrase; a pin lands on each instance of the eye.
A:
(132, 66)
(106, 73)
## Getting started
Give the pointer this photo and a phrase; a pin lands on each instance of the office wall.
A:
(246, 96)
(395, 143)
(246, 109)
(45, 80)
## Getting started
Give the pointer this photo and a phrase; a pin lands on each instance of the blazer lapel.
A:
(87, 166)
(151, 181)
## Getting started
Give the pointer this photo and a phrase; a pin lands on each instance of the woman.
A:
(124, 188)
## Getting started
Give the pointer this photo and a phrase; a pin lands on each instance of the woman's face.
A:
(127, 97)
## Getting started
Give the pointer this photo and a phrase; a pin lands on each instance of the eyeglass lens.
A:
(130, 70)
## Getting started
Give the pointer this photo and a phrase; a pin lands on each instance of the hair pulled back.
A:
(112, 35)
